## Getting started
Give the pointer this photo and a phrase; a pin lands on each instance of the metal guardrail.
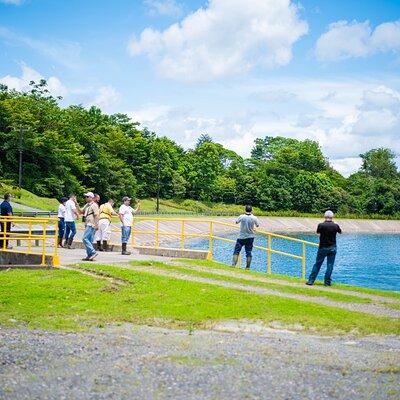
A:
(40, 230)
(182, 235)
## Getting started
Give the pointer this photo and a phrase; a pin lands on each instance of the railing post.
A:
(56, 239)
(303, 261)
(133, 233)
(4, 224)
(183, 234)
(44, 237)
(157, 232)
(210, 242)
(30, 238)
(269, 253)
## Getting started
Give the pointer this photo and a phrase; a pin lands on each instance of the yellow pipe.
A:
(269, 254)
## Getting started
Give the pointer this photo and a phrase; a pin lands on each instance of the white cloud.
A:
(164, 7)
(356, 39)
(346, 117)
(21, 83)
(106, 97)
(226, 37)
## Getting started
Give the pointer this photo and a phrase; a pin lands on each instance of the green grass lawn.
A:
(69, 300)
(217, 265)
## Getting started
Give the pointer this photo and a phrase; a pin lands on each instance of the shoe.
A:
(86, 259)
(99, 248)
(93, 256)
(59, 243)
(124, 251)
(69, 244)
(309, 283)
(105, 245)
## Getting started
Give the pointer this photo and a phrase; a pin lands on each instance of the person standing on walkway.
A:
(126, 213)
(71, 214)
(327, 249)
(91, 219)
(246, 237)
(5, 211)
(61, 220)
(104, 232)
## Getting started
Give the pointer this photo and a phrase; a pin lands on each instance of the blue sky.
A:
(236, 69)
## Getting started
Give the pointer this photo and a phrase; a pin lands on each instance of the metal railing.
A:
(39, 231)
(210, 234)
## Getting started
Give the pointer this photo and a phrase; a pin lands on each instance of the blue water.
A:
(366, 260)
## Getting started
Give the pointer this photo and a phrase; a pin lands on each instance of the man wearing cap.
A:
(91, 217)
(126, 213)
(327, 248)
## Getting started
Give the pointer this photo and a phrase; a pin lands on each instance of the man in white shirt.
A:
(61, 220)
(71, 214)
(126, 213)
(246, 237)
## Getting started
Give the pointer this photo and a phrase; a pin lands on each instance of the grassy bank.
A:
(69, 300)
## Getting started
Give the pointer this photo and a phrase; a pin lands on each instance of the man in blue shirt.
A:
(5, 211)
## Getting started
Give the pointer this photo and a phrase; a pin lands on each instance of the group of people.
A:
(327, 231)
(97, 220)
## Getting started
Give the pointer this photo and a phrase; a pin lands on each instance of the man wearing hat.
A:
(126, 213)
(327, 248)
(91, 218)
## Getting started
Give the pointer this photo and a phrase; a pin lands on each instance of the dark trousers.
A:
(5, 227)
(330, 254)
(70, 230)
(61, 228)
(248, 246)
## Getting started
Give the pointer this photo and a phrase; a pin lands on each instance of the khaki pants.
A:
(104, 231)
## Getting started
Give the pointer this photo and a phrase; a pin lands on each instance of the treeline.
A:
(75, 149)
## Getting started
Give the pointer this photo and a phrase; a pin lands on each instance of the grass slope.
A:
(69, 300)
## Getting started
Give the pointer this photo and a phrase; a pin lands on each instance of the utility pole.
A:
(21, 130)
(158, 184)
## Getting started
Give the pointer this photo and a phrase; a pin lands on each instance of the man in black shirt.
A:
(327, 248)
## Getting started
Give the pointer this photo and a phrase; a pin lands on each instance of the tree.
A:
(379, 163)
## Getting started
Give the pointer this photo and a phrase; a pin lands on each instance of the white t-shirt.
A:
(127, 214)
(69, 211)
(61, 211)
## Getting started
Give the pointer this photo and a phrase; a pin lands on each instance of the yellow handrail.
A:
(209, 233)
(38, 229)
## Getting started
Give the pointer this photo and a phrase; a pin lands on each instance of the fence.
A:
(159, 228)
(39, 235)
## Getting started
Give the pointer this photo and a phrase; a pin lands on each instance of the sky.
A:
(234, 69)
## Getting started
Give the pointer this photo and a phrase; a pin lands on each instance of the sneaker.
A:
(86, 259)
(309, 283)
(93, 256)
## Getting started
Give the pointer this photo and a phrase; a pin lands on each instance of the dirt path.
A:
(373, 309)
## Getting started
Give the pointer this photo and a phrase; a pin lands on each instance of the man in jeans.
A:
(126, 213)
(5, 211)
(246, 236)
(71, 214)
(91, 216)
(327, 248)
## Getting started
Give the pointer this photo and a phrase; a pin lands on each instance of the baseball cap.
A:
(328, 214)
(89, 194)
(126, 198)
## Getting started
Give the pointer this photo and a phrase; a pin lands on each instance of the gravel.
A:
(130, 362)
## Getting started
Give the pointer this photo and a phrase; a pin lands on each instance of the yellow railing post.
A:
(30, 238)
(303, 261)
(183, 234)
(210, 242)
(269, 254)
(157, 232)
(56, 240)
(133, 233)
(44, 237)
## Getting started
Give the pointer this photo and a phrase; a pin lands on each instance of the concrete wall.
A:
(15, 259)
